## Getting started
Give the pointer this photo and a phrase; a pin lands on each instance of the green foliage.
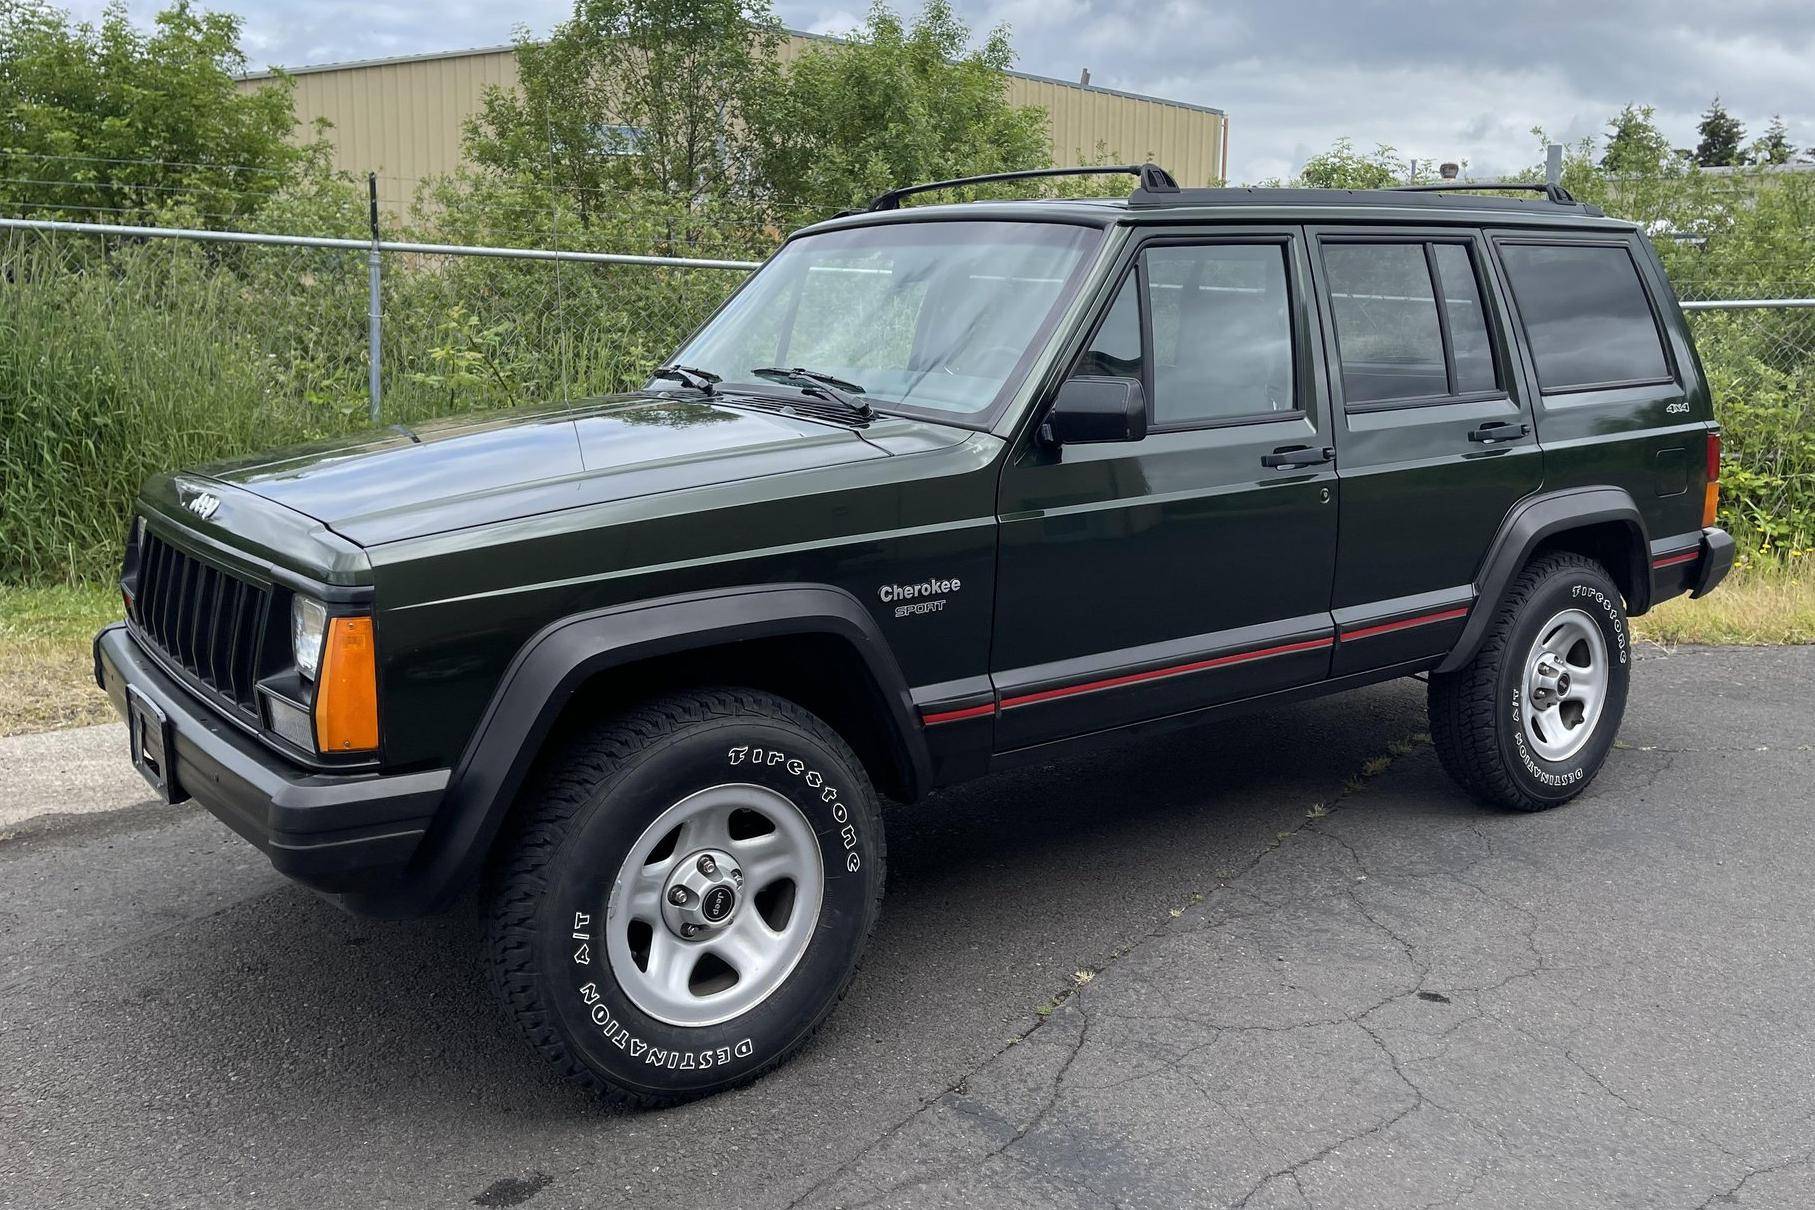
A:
(631, 95)
(112, 123)
(894, 102)
(1774, 147)
(1721, 134)
(122, 359)
(1342, 167)
(1634, 143)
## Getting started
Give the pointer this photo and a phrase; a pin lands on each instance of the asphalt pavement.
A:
(1275, 962)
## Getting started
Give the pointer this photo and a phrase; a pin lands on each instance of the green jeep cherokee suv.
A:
(938, 491)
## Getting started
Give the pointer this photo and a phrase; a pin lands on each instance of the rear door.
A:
(1147, 578)
(1434, 433)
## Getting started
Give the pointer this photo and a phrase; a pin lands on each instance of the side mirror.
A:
(1090, 409)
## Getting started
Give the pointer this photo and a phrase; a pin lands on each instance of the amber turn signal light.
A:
(346, 692)
(1711, 493)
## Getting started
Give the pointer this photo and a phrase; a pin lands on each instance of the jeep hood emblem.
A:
(202, 503)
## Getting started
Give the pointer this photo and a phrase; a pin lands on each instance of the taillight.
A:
(1711, 493)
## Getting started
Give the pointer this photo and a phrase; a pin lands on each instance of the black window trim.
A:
(1137, 268)
(1470, 242)
(1672, 376)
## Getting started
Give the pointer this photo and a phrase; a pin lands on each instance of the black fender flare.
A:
(1529, 523)
(553, 665)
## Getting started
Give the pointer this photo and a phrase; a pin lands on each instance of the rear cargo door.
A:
(1434, 433)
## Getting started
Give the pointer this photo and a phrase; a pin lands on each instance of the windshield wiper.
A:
(846, 394)
(700, 380)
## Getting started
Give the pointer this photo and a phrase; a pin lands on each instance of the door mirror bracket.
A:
(1089, 409)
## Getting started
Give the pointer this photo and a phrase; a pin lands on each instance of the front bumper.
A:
(336, 833)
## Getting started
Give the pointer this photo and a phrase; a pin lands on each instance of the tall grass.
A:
(119, 360)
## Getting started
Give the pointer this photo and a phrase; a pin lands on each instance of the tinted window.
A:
(1386, 322)
(1585, 314)
(1474, 352)
(1222, 332)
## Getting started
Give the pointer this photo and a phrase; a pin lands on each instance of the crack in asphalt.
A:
(1164, 927)
(1212, 916)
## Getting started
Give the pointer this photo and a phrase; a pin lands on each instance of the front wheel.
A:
(1529, 720)
(686, 896)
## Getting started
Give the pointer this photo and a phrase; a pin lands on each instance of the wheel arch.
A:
(799, 640)
(1603, 523)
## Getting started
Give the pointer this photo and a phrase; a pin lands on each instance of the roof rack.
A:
(1553, 193)
(1153, 179)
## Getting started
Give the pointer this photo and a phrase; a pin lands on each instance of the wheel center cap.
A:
(702, 893)
(717, 903)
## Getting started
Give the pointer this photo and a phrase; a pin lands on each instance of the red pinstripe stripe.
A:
(1154, 674)
(1423, 619)
(1687, 556)
(952, 716)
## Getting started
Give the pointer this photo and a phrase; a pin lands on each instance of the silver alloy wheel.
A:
(714, 905)
(1565, 685)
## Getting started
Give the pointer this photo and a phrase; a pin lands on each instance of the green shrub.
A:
(119, 360)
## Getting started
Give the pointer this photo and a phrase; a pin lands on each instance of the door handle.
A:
(1498, 430)
(1298, 455)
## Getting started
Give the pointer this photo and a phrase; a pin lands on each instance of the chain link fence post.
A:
(375, 311)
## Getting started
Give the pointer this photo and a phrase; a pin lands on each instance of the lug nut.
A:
(678, 896)
(690, 930)
(708, 867)
(737, 876)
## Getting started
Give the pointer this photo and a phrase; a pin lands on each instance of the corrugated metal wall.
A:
(402, 118)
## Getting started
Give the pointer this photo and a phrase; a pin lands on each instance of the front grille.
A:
(206, 620)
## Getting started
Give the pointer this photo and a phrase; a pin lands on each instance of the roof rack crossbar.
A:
(1554, 193)
(1153, 178)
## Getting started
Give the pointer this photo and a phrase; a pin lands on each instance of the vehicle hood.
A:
(393, 484)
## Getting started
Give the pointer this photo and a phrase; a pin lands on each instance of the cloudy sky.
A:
(1438, 81)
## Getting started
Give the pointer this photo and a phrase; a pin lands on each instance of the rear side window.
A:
(1410, 325)
(1586, 315)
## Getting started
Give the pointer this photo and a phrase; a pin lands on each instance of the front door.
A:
(1147, 578)
(1434, 435)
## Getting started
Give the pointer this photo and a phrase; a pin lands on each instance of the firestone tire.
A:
(590, 952)
(1516, 726)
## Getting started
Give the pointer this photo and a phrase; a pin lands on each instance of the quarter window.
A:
(1586, 315)
(1219, 333)
(1474, 350)
(1410, 324)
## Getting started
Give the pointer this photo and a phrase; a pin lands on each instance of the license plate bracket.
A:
(153, 745)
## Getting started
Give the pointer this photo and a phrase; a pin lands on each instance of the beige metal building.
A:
(401, 118)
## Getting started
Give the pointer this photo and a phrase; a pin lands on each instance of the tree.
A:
(1775, 146)
(1634, 144)
(111, 123)
(1342, 167)
(1721, 137)
(892, 104)
(631, 95)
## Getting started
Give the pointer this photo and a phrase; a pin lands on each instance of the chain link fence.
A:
(125, 350)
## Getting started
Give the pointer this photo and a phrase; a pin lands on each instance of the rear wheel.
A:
(686, 896)
(1529, 720)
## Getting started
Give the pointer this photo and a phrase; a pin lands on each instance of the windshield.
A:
(943, 316)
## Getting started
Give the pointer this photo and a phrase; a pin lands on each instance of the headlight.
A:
(308, 626)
